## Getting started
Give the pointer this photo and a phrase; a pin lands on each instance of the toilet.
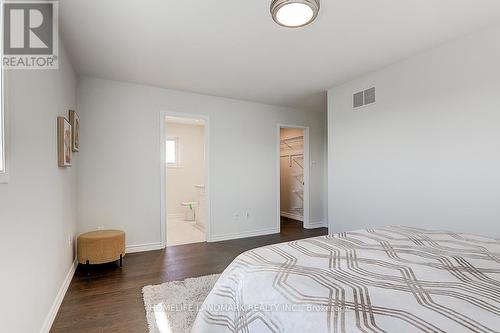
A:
(190, 208)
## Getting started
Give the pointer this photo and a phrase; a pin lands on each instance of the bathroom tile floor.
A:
(181, 232)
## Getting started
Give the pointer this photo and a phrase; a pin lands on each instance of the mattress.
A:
(393, 279)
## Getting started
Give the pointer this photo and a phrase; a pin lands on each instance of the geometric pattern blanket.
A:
(393, 279)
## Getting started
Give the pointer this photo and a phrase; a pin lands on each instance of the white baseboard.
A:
(49, 320)
(292, 216)
(316, 224)
(246, 234)
(144, 247)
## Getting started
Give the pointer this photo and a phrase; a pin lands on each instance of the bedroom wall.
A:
(189, 171)
(38, 204)
(427, 153)
(119, 178)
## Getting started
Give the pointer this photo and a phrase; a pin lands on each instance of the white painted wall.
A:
(38, 205)
(190, 170)
(427, 153)
(288, 181)
(119, 178)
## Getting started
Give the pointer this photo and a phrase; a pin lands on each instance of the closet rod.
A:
(291, 155)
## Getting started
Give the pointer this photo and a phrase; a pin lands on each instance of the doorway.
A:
(185, 170)
(293, 169)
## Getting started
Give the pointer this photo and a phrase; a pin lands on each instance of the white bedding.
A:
(394, 279)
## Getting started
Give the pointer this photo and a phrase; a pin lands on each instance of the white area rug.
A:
(172, 307)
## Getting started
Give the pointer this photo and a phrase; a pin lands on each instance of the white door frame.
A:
(306, 173)
(163, 173)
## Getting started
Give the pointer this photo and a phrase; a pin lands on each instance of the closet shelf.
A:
(295, 138)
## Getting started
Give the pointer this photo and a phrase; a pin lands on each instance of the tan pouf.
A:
(102, 246)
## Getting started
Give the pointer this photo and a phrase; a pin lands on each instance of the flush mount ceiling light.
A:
(294, 13)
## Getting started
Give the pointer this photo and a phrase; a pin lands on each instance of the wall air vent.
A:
(358, 100)
(362, 98)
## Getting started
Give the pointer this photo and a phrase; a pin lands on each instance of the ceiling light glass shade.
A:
(294, 13)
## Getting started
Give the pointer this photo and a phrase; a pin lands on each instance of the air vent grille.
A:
(358, 100)
(362, 98)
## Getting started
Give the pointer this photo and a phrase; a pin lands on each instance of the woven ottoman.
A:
(102, 246)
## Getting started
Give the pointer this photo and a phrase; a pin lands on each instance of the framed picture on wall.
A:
(75, 133)
(64, 150)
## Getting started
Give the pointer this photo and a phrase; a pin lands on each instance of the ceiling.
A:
(233, 48)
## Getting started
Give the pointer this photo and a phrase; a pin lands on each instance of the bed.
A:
(394, 279)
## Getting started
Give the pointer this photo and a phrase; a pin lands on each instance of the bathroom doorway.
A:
(293, 176)
(185, 147)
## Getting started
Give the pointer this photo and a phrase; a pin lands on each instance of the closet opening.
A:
(293, 168)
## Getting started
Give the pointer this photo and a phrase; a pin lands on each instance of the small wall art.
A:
(64, 150)
(74, 120)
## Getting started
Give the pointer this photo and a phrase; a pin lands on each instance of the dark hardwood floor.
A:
(107, 298)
